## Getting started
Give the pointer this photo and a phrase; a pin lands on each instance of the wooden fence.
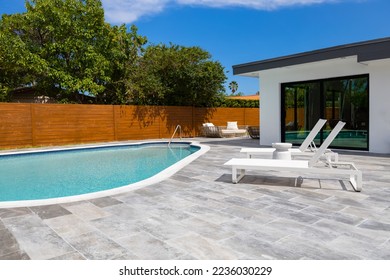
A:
(25, 125)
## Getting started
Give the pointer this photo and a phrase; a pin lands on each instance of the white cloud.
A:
(254, 4)
(128, 11)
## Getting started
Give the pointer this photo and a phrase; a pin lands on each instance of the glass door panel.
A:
(302, 103)
(347, 100)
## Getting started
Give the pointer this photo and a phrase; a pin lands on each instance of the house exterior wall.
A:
(380, 107)
(379, 95)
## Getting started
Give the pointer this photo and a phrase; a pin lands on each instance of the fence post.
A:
(32, 112)
(114, 122)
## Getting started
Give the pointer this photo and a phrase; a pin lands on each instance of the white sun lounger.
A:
(300, 167)
(305, 149)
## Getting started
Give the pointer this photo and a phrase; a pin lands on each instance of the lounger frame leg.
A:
(235, 178)
(356, 181)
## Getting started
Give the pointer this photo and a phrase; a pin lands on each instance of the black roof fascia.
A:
(365, 51)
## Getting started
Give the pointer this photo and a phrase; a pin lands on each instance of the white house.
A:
(349, 82)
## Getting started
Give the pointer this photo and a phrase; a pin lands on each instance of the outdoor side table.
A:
(281, 151)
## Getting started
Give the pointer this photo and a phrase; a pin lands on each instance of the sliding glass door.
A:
(344, 98)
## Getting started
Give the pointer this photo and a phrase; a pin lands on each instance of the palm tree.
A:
(233, 86)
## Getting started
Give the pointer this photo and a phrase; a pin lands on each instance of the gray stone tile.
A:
(347, 245)
(384, 251)
(126, 256)
(149, 191)
(69, 226)
(96, 246)
(133, 198)
(363, 213)
(147, 247)
(288, 225)
(375, 225)
(263, 218)
(8, 243)
(86, 211)
(211, 192)
(49, 211)
(313, 249)
(311, 201)
(209, 214)
(2, 226)
(378, 201)
(331, 215)
(243, 192)
(240, 212)
(105, 201)
(277, 193)
(316, 234)
(35, 238)
(206, 229)
(299, 216)
(350, 201)
(307, 193)
(173, 201)
(130, 212)
(70, 256)
(115, 227)
(201, 200)
(369, 236)
(184, 179)
(168, 213)
(18, 255)
(287, 204)
(14, 212)
(162, 229)
(202, 248)
(258, 249)
(251, 229)
(238, 201)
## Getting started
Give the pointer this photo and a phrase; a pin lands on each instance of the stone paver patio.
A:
(199, 214)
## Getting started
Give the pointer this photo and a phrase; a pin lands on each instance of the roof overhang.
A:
(363, 51)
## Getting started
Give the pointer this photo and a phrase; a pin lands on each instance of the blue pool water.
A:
(53, 174)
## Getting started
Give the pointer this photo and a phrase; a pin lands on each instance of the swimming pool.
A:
(64, 175)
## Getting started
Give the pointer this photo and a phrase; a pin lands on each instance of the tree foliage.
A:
(177, 75)
(237, 103)
(65, 49)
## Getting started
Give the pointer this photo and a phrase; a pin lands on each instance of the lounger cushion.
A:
(232, 126)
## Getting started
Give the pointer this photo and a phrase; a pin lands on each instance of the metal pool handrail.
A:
(177, 127)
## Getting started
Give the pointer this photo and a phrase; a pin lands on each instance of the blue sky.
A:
(241, 31)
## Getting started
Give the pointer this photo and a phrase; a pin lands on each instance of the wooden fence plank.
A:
(15, 125)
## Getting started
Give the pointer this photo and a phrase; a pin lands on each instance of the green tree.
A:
(124, 49)
(64, 48)
(18, 66)
(178, 75)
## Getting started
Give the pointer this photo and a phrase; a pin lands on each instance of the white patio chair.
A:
(305, 149)
(311, 167)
